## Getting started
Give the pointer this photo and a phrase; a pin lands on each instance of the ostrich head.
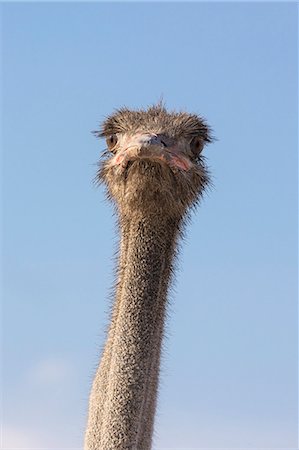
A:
(153, 161)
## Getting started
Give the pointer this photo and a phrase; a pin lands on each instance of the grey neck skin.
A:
(124, 392)
(100, 383)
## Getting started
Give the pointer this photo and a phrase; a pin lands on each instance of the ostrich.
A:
(154, 173)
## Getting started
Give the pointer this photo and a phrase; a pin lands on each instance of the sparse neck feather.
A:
(136, 333)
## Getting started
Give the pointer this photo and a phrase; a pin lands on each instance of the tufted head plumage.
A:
(156, 119)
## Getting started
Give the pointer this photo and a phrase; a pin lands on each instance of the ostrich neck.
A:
(136, 332)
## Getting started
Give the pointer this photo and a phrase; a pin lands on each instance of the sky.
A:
(229, 370)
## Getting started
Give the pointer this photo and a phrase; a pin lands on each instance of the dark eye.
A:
(111, 141)
(196, 145)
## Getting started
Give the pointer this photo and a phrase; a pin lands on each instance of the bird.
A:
(155, 175)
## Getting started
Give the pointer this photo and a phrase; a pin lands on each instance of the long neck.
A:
(137, 330)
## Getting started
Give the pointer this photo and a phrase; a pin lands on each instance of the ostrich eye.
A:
(196, 145)
(111, 141)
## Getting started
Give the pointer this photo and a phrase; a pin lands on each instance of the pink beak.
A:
(151, 146)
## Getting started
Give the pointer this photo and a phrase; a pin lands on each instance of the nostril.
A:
(157, 140)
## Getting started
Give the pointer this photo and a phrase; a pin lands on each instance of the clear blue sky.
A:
(229, 369)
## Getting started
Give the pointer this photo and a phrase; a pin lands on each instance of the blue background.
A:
(229, 375)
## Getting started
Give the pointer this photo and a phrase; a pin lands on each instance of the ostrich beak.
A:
(152, 147)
